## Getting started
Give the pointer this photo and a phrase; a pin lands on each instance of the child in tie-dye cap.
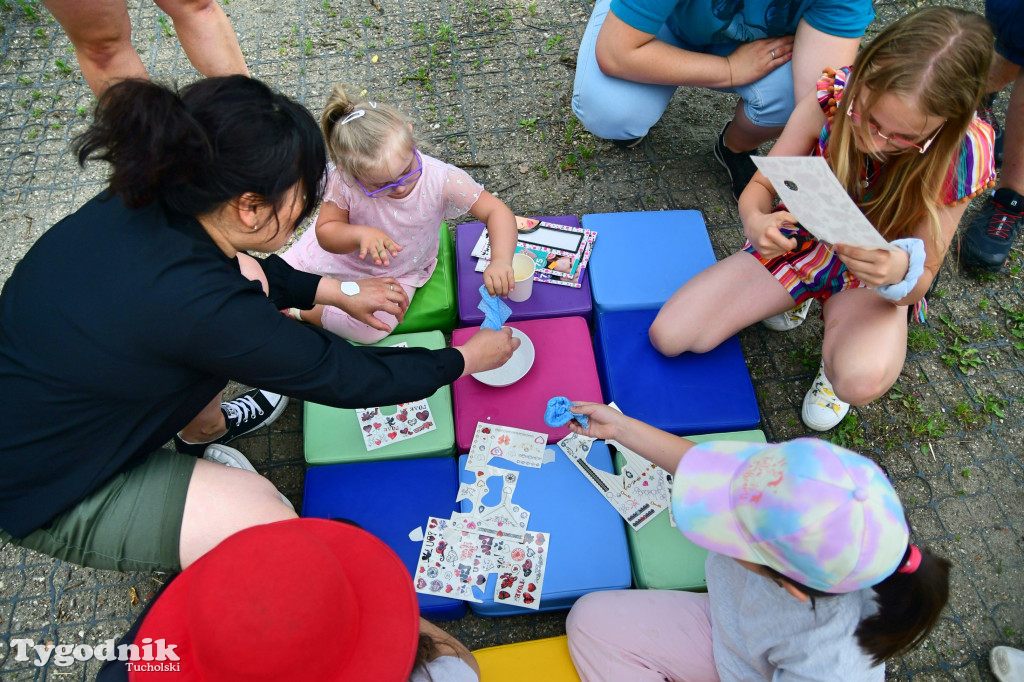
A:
(810, 572)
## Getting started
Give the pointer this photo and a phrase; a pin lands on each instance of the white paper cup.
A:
(523, 269)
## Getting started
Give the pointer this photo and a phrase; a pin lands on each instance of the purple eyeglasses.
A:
(406, 179)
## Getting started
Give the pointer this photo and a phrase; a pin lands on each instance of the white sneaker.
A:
(790, 319)
(229, 457)
(822, 409)
(1007, 663)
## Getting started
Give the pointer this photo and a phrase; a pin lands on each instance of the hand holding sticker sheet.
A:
(639, 492)
(811, 192)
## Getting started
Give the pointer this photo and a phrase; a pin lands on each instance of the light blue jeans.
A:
(617, 109)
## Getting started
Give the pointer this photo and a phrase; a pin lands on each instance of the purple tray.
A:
(547, 300)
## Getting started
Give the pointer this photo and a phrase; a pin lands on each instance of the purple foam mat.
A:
(547, 300)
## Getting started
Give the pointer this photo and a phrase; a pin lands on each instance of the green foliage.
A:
(921, 339)
(162, 20)
(993, 405)
(850, 433)
(965, 359)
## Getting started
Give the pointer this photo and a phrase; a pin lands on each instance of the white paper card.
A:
(811, 192)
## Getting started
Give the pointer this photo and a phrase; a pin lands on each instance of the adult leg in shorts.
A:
(671, 642)
(130, 523)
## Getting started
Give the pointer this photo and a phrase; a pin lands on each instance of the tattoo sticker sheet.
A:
(505, 519)
(455, 558)
(639, 492)
(519, 446)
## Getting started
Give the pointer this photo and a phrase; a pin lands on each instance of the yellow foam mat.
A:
(540, 660)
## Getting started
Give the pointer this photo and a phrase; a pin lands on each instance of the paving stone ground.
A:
(488, 85)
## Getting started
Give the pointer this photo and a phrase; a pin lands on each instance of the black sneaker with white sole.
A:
(246, 413)
(741, 169)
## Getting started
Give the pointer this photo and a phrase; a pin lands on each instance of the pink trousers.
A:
(347, 327)
(642, 636)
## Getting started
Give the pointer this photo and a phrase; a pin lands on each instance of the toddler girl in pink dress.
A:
(382, 211)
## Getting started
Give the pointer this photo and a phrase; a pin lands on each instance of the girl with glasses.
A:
(898, 129)
(381, 212)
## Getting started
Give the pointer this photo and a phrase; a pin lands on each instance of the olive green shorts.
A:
(131, 523)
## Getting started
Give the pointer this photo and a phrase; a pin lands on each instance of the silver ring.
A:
(391, 287)
(773, 54)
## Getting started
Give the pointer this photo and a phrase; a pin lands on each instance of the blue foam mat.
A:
(389, 499)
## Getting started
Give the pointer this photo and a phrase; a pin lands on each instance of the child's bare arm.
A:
(501, 228)
(656, 446)
(760, 224)
(336, 234)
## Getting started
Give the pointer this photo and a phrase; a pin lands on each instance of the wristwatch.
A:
(350, 288)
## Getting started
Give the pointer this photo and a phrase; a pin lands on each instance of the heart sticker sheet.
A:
(455, 557)
(639, 492)
(409, 421)
(522, 447)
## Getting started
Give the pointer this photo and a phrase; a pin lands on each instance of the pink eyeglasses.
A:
(896, 140)
(406, 179)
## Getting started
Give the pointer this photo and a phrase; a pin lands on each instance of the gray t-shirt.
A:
(761, 632)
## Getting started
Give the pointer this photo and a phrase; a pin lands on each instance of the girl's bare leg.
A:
(718, 302)
(865, 344)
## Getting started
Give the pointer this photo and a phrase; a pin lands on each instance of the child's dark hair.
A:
(909, 605)
(196, 149)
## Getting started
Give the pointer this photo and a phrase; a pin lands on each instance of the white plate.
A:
(517, 366)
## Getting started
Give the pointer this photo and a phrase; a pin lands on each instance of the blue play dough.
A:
(558, 414)
(496, 311)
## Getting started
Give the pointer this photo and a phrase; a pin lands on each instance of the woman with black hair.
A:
(124, 320)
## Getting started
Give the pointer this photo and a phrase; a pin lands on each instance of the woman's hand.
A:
(874, 267)
(606, 423)
(764, 231)
(499, 278)
(487, 349)
(381, 293)
(378, 244)
(752, 61)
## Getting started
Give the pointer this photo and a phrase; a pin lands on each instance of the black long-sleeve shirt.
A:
(119, 326)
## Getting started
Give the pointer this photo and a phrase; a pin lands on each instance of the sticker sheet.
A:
(455, 558)
(505, 519)
(380, 430)
(639, 492)
(811, 192)
(522, 447)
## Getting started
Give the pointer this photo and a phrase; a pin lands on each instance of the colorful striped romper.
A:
(813, 270)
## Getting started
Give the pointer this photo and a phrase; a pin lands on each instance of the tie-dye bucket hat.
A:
(824, 516)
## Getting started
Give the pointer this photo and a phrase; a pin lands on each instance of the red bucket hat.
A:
(303, 599)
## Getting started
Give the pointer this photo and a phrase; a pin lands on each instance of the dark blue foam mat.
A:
(691, 393)
(389, 499)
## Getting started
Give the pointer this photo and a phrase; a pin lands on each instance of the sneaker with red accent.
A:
(988, 239)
